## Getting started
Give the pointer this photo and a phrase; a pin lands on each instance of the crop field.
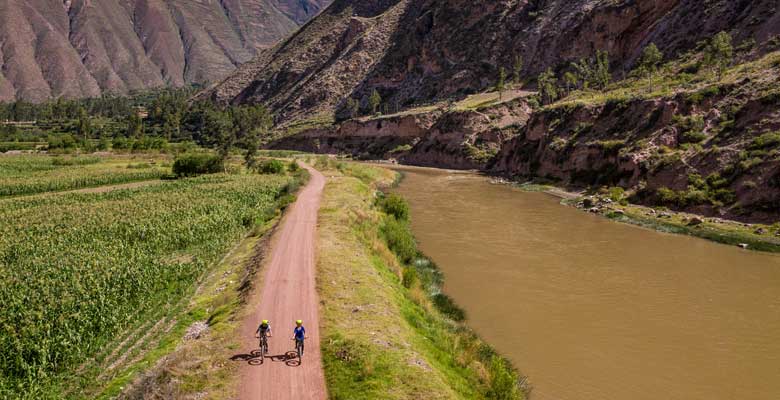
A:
(25, 175)
(79, 269)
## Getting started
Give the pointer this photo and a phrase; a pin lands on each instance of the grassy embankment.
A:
(726, 232)
(663, 220)
(388, 333)
(103, 289)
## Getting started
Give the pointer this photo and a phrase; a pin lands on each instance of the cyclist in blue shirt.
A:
(299, 333)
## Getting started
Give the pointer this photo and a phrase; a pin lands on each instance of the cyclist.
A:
(263, 330)
(299, 334)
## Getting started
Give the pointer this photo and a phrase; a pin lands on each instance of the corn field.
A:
(26, 175)
(78, 270)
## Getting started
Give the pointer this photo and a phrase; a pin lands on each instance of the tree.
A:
(570, 81)
(252, 144)
(501, 84)
(353, 108)
(649, 62)
(171, 125)
(135, 125)
(719, 53)
(84, 128)
(548, 88)
(249, 118)
(219, 128)
(517, 69)
(374, 101)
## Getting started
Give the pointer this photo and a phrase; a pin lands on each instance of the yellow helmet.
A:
(298, 322)
(265, 321)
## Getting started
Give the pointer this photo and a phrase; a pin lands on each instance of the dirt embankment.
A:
(457, 139)
(704, 152)
(703, 155)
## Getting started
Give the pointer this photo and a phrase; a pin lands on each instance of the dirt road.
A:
(288, 293)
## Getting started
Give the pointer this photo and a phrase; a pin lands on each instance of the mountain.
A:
(80, 48)
(689, 138)
(419, 51)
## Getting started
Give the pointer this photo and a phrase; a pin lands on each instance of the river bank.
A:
(614, 206)
(385, 334)
(759, 237)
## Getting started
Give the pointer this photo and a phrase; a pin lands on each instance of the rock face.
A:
(640, 144)
(417, 51)
(80, 48)
(462, 139)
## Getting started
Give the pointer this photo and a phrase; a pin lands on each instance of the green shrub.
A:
(714, 180)
(400, 239)
(293, 167)
(725, 196)
(748, 164)
(707, 92)
(503, 381)
(617, 193)
(447, 306)
(667, 196)
(610, 146)
(196, 164)
(396, 206)
(271, 167)
(693, 197)
(693, 137)
(765, 141)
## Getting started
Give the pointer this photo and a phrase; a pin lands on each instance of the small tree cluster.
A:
(196, 164)
(593, 72)
(719, 53)
(649, 63)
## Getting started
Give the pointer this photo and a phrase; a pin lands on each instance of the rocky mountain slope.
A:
(80, 48)
(688, 139)
(417, 51)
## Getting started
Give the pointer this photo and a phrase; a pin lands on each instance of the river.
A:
(593, 309)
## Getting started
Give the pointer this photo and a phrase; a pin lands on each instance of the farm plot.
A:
(78, 270)
(25, 175)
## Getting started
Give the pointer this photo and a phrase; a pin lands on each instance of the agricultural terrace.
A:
(79, 270)
(25, 175)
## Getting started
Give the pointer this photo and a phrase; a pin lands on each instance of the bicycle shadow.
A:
(289, 358)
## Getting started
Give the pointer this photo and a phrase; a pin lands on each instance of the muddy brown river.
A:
(593, 309)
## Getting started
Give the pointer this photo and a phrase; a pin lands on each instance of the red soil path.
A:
(288, 293)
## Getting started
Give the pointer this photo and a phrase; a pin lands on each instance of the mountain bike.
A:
(263, 346)
(299, 348)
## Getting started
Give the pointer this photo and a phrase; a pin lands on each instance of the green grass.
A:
(673, 79)
(320, 121)
(729, 233)
(80, 270)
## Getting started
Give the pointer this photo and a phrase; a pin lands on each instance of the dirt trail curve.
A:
(288, 293)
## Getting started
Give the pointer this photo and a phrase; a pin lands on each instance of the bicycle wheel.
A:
(299, 348)
(262, 350)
